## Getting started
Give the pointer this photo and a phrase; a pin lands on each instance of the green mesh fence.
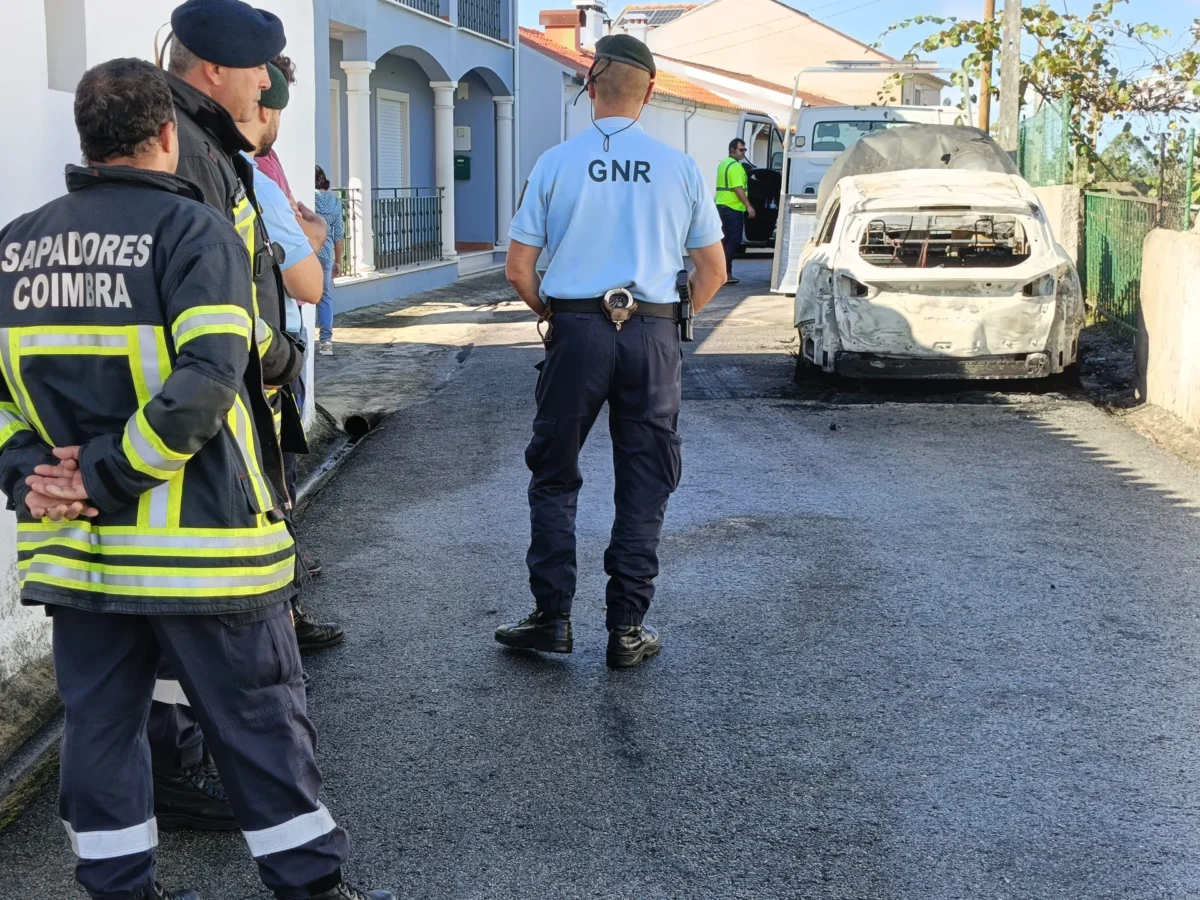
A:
(1044, 145)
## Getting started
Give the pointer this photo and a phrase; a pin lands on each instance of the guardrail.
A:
(351, 200)
(483, 16)
(408, 226)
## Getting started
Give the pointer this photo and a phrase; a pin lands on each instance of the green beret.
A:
(277, 95)
(625, 48)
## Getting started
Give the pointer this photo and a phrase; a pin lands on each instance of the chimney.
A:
(595, 21)
(637, 24)
(562, 26)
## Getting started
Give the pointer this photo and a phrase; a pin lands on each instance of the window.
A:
(838, 136)
(335, 133)
(957, 239)
(831, 222)
(391, 143)
(66, 44)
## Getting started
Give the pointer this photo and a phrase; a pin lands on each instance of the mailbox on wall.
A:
(462, 168)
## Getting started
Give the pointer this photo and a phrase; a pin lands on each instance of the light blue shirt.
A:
(617, 219)
(284, 230)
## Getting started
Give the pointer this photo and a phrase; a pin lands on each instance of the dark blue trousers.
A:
(733, 227)
(242, 675)
(636, 371)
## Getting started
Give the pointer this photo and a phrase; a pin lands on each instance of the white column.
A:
(504, 168)
(443, 154)
(358, 163)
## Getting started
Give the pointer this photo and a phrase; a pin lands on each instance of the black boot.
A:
(313, 565)
(158, 892)
(548, 632)
(346, 891)
(630, 645)
(313, 635)
(190, 798)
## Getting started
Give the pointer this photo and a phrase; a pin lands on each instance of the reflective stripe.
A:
(202, 320)
(264, 336)
(105, 579)
(116, 541)
(170, 692)
(12, 374)
(11, 422)
(8, 431)
(243, 434)
(151, 365)
(147, 452)
(291, 834)
(111, 844)
(60, 342)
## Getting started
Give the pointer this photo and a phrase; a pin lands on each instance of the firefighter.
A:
(130, 379)
(219, 51)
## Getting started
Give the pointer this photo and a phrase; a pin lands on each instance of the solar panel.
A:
(655, 17)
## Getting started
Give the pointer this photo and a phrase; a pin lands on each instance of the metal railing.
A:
(1044, 145)
(351, 199)
(433, 7)
(483, 16)
(408, 226)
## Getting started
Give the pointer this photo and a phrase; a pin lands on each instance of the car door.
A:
(764, 172)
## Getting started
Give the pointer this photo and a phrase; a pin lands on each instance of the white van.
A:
(822, 134)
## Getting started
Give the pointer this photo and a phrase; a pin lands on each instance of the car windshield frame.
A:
(1006, 241)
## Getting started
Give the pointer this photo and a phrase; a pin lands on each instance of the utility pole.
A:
(1010, 74)
(985, 78)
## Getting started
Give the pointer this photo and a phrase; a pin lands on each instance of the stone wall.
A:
(1064, 210)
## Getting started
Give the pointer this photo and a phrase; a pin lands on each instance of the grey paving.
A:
(946, 649)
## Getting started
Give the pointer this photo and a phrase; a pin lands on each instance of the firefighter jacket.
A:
(210, 146)
(126, 327)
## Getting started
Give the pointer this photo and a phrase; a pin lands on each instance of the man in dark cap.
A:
(615, 210)
(218, 69)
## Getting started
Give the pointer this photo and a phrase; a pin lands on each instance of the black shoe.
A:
(313, 565)
(190, 798)
(732, 280)
(313, 635)
(349, 892)
(158, 892)
(548, 632)
(631, 645)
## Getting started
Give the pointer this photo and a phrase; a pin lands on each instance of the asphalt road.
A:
(917, 645)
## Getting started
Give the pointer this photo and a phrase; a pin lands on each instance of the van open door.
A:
(764, 168)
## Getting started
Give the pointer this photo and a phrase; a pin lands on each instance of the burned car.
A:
(932, 258)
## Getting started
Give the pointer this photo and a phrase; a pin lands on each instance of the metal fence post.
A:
(1187, 197)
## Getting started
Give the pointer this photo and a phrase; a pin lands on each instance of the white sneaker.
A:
(326, 348)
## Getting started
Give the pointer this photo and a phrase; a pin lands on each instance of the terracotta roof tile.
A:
(807, 96)
(665, 84)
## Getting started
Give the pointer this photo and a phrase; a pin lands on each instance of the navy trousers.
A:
(242, 675)
(636, 371)
(733, 227)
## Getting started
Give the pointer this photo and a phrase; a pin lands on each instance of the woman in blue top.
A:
(329, 207)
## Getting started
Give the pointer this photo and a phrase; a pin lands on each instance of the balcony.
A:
(482, 16)
(433, 7)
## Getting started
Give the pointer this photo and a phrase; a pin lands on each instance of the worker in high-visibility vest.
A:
(732, 202)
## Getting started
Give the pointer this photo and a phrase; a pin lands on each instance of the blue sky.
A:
(867, 19)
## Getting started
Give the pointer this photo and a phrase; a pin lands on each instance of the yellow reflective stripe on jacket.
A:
(10, 361)
(241, 426)
(11, 422)
(168, 581)
(201, 320)
(264, 336)
(147, 452)
(126, 541)
(726, 195)
(244, 215)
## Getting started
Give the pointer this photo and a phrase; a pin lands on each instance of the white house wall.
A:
(48, 142)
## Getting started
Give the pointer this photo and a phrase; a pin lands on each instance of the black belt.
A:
(596, 305)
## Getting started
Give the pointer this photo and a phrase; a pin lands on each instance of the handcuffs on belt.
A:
(618, 306)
